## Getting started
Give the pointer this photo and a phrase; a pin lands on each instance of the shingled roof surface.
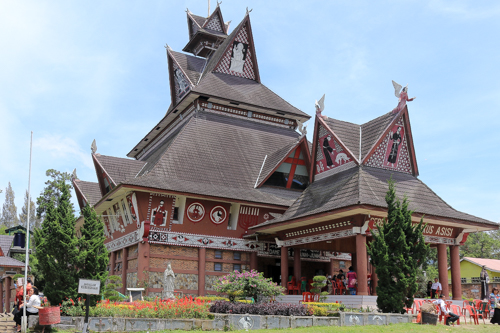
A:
(10, 262)
(119, 169)
(220, 156)
(90, 190)
(367, 185)
(245, 91)
(6, 243)
(347, 132)
(191, 65)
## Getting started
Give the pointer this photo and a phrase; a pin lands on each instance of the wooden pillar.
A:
(354, 263)
(112, 262)
(124, 270)
(456, 281)
(8, 281)
(284, 266)
(253, 261)
(361, 264)
(296, 264)
(374, 282)
(331, 271)
(201, 270)
(143, 265)
(443, 268)
(1, 294)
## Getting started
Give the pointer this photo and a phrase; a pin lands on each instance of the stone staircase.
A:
(7, 323)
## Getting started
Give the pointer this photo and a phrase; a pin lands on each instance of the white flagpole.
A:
(24, 324)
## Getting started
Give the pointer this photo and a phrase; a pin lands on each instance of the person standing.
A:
(442, 307)
(485, 279)
(429, 288)
(495, 306)
(436, 288)
(352, 280)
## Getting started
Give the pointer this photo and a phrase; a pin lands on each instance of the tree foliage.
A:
(9, 210)
(53, 191)
(482, 245)
(397, 251)
(114, 282)
(57, 249)
(93, 256)
(23, 217)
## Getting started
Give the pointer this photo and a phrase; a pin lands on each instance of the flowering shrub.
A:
(180, 308)
(277, 309)
(247, 284)
(72, 308)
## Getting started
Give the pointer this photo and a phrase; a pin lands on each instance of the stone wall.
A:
(132, 280)
(473, 290)
(210, 281)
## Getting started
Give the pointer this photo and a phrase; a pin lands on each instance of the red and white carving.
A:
(248, 67)
(218, 215)
(195, 212)
(329, 153)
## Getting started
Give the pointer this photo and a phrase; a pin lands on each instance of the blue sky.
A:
(73, 71)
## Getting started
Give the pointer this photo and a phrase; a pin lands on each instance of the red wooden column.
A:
(143, 265)
(1, 294)
(296, 264)
(124, 269)
(8, 281)
(253, 260)
(361, 264)
(284, 266)
(443, 268)
(112, 260)
(201, 270)
(456, 281)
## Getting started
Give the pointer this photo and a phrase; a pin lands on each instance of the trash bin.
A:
(429, 318)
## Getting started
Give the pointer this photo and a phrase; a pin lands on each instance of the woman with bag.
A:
(495, 305)
(352, 280)
(32, 306)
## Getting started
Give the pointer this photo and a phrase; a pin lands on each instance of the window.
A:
(176, 214)
(119, 255)
(292, 173)
(342, 264)
(218, 254)
(464, 280)
(237, 267)
(496, 279)
(218, 267)
(236, 255)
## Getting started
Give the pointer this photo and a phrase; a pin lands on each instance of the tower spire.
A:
(208, 15)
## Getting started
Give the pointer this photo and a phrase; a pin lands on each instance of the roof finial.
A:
(74, 176)
(402, 95)
(302, 129)
(218, 3)
(168, 47)
(320, 106)
(93, 147)
(248, 11)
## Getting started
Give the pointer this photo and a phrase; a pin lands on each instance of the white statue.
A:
(168, 282)
(402, 95)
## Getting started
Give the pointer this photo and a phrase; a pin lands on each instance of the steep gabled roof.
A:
(368, 186)
(215, 21)
(119, 169)
(90, 191)
(220, 156)
(190, 65)
(6, 243)
(373, 130)
(347, 132)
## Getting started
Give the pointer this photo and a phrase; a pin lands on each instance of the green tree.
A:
(482, 245)
(397, 251)
(57, 249)
(9, 211)
(93, 256)
(114, 282)
(23, 217)
(53, 191)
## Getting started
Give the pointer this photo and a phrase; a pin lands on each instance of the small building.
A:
(470, 271)
(8, 268)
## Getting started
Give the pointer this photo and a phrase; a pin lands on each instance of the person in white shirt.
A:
(442, 307)
(436, 286)
(34, 303)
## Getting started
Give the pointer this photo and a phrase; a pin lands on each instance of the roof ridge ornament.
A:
(302, 129)
(73, 175)
(248, 11)
(93, 147)
(168, 47)
(402, 95)
(320, 106)
(218, 3)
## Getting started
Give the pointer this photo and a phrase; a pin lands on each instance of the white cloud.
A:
(63, 148)
(463, 9)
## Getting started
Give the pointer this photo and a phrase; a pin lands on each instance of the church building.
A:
(227, 180)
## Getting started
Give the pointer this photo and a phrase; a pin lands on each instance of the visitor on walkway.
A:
(429, 287)
(495, 306)
(32, 306)
(352, 280)
(436, 288)
(442, 307)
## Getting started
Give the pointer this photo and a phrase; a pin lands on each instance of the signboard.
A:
(89, 287)
(430, 229)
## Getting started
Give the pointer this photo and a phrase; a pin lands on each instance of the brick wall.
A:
(133, 250)
(473, 290)
(176, 264)
(132, 264)
(174, 250)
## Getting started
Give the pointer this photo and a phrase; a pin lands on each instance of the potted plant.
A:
(429, 314)
(48, 315)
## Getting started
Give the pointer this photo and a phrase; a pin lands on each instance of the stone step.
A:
(64, 327)
(66, 321)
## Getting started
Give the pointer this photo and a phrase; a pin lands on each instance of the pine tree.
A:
(9, 211)
(23, 217)
(57, 250)
(93, 258)
(397, 251)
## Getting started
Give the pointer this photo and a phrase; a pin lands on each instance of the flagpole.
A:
(24, 324)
